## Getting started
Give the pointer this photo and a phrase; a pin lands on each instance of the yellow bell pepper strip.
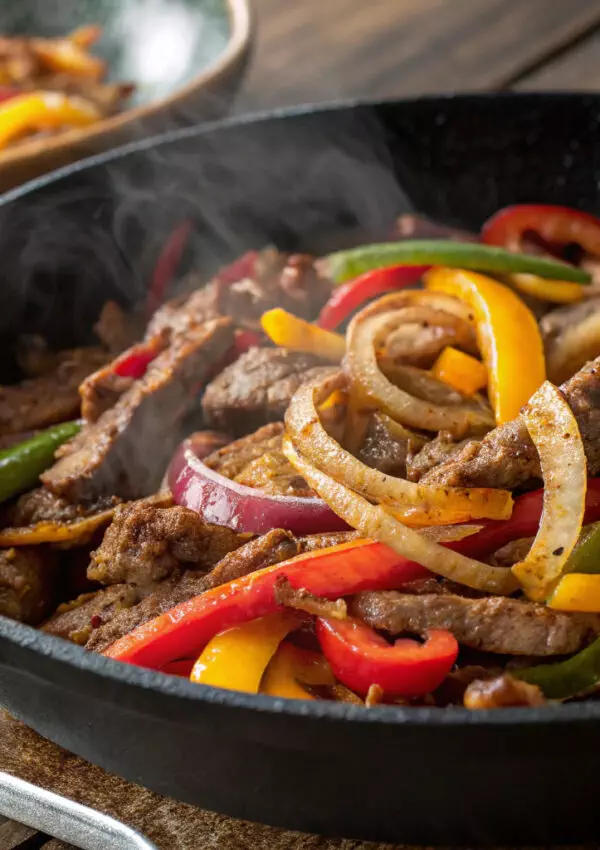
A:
(67, 55)
(574, 677)
(556, 291)
(43, 111)
(289, 331)
(460, 371)
(290, 667)
(346, 265)
(577, 592)
(507, 334)
(237, 658)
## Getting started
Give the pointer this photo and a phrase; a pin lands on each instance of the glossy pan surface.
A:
(313, 180)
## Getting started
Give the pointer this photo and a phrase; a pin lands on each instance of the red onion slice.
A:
(224, 502)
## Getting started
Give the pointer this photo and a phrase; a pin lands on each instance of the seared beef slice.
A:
(492, 623)
(507, 458)
(145, 544)
(126, 451)
(27, 583)
(257, 388)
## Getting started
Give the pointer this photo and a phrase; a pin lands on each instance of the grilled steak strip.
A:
(257, 388)
(492, 623)
(272, 548)
(146, 543)
(126, 451)
(507, 458)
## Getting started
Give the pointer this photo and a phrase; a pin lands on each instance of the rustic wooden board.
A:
(576, 70)
(318, 50)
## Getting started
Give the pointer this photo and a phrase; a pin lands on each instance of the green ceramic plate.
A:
(160, 45)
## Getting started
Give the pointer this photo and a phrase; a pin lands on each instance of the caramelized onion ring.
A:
(375, 521)
(361, 361)
(415, 504)
(555, 434)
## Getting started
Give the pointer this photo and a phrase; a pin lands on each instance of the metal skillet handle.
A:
(63, 819)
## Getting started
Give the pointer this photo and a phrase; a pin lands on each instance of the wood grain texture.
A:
(577, 69)
(318, 50)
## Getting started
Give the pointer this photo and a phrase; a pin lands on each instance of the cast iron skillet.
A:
(313, 179)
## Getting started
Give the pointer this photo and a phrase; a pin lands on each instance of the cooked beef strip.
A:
(27, 583)
(102, 393)
(257, 388)
(419, 343)
(126, 451)
(76, 620)
(272, 548)
(53, 397)
(292, 282)
(571, 337)
(116, 329)
(303, 600)
(40, 505)
(257, 461)
(383, 450)
(103, 388)
(145, 544)
(492, 623)
(313, 542)
(439, 450)
(507, 458)
(502, 692)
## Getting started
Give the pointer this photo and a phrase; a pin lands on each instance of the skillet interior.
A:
(316, 180)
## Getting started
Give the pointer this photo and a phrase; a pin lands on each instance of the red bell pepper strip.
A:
(557, 227)
(524, 522)
(245, 339)
(347, 298)
(134, 362)
(241, 268)
(7, 92)
(331, 573)
(359, 658)
(167, 265)
(182, 668)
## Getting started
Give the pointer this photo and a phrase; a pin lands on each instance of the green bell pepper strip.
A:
(574, 677)
(346, 265)
(585, 557)
(22, 464)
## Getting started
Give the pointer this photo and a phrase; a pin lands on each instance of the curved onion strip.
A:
(415, 504)
(375, 521)
(361, 361)
(555, 434)
(224, 502)
(420, 297)
(450, 330)
(65, 533)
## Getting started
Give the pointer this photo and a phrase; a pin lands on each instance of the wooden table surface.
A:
(313, 51)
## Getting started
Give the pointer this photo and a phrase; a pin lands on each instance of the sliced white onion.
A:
(417, 505)
(374, 521)
(555, 434)
(363, 334)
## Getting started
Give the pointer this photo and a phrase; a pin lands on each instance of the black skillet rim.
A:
(69, 654)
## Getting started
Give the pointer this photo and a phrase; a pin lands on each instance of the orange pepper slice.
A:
(460, 371)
